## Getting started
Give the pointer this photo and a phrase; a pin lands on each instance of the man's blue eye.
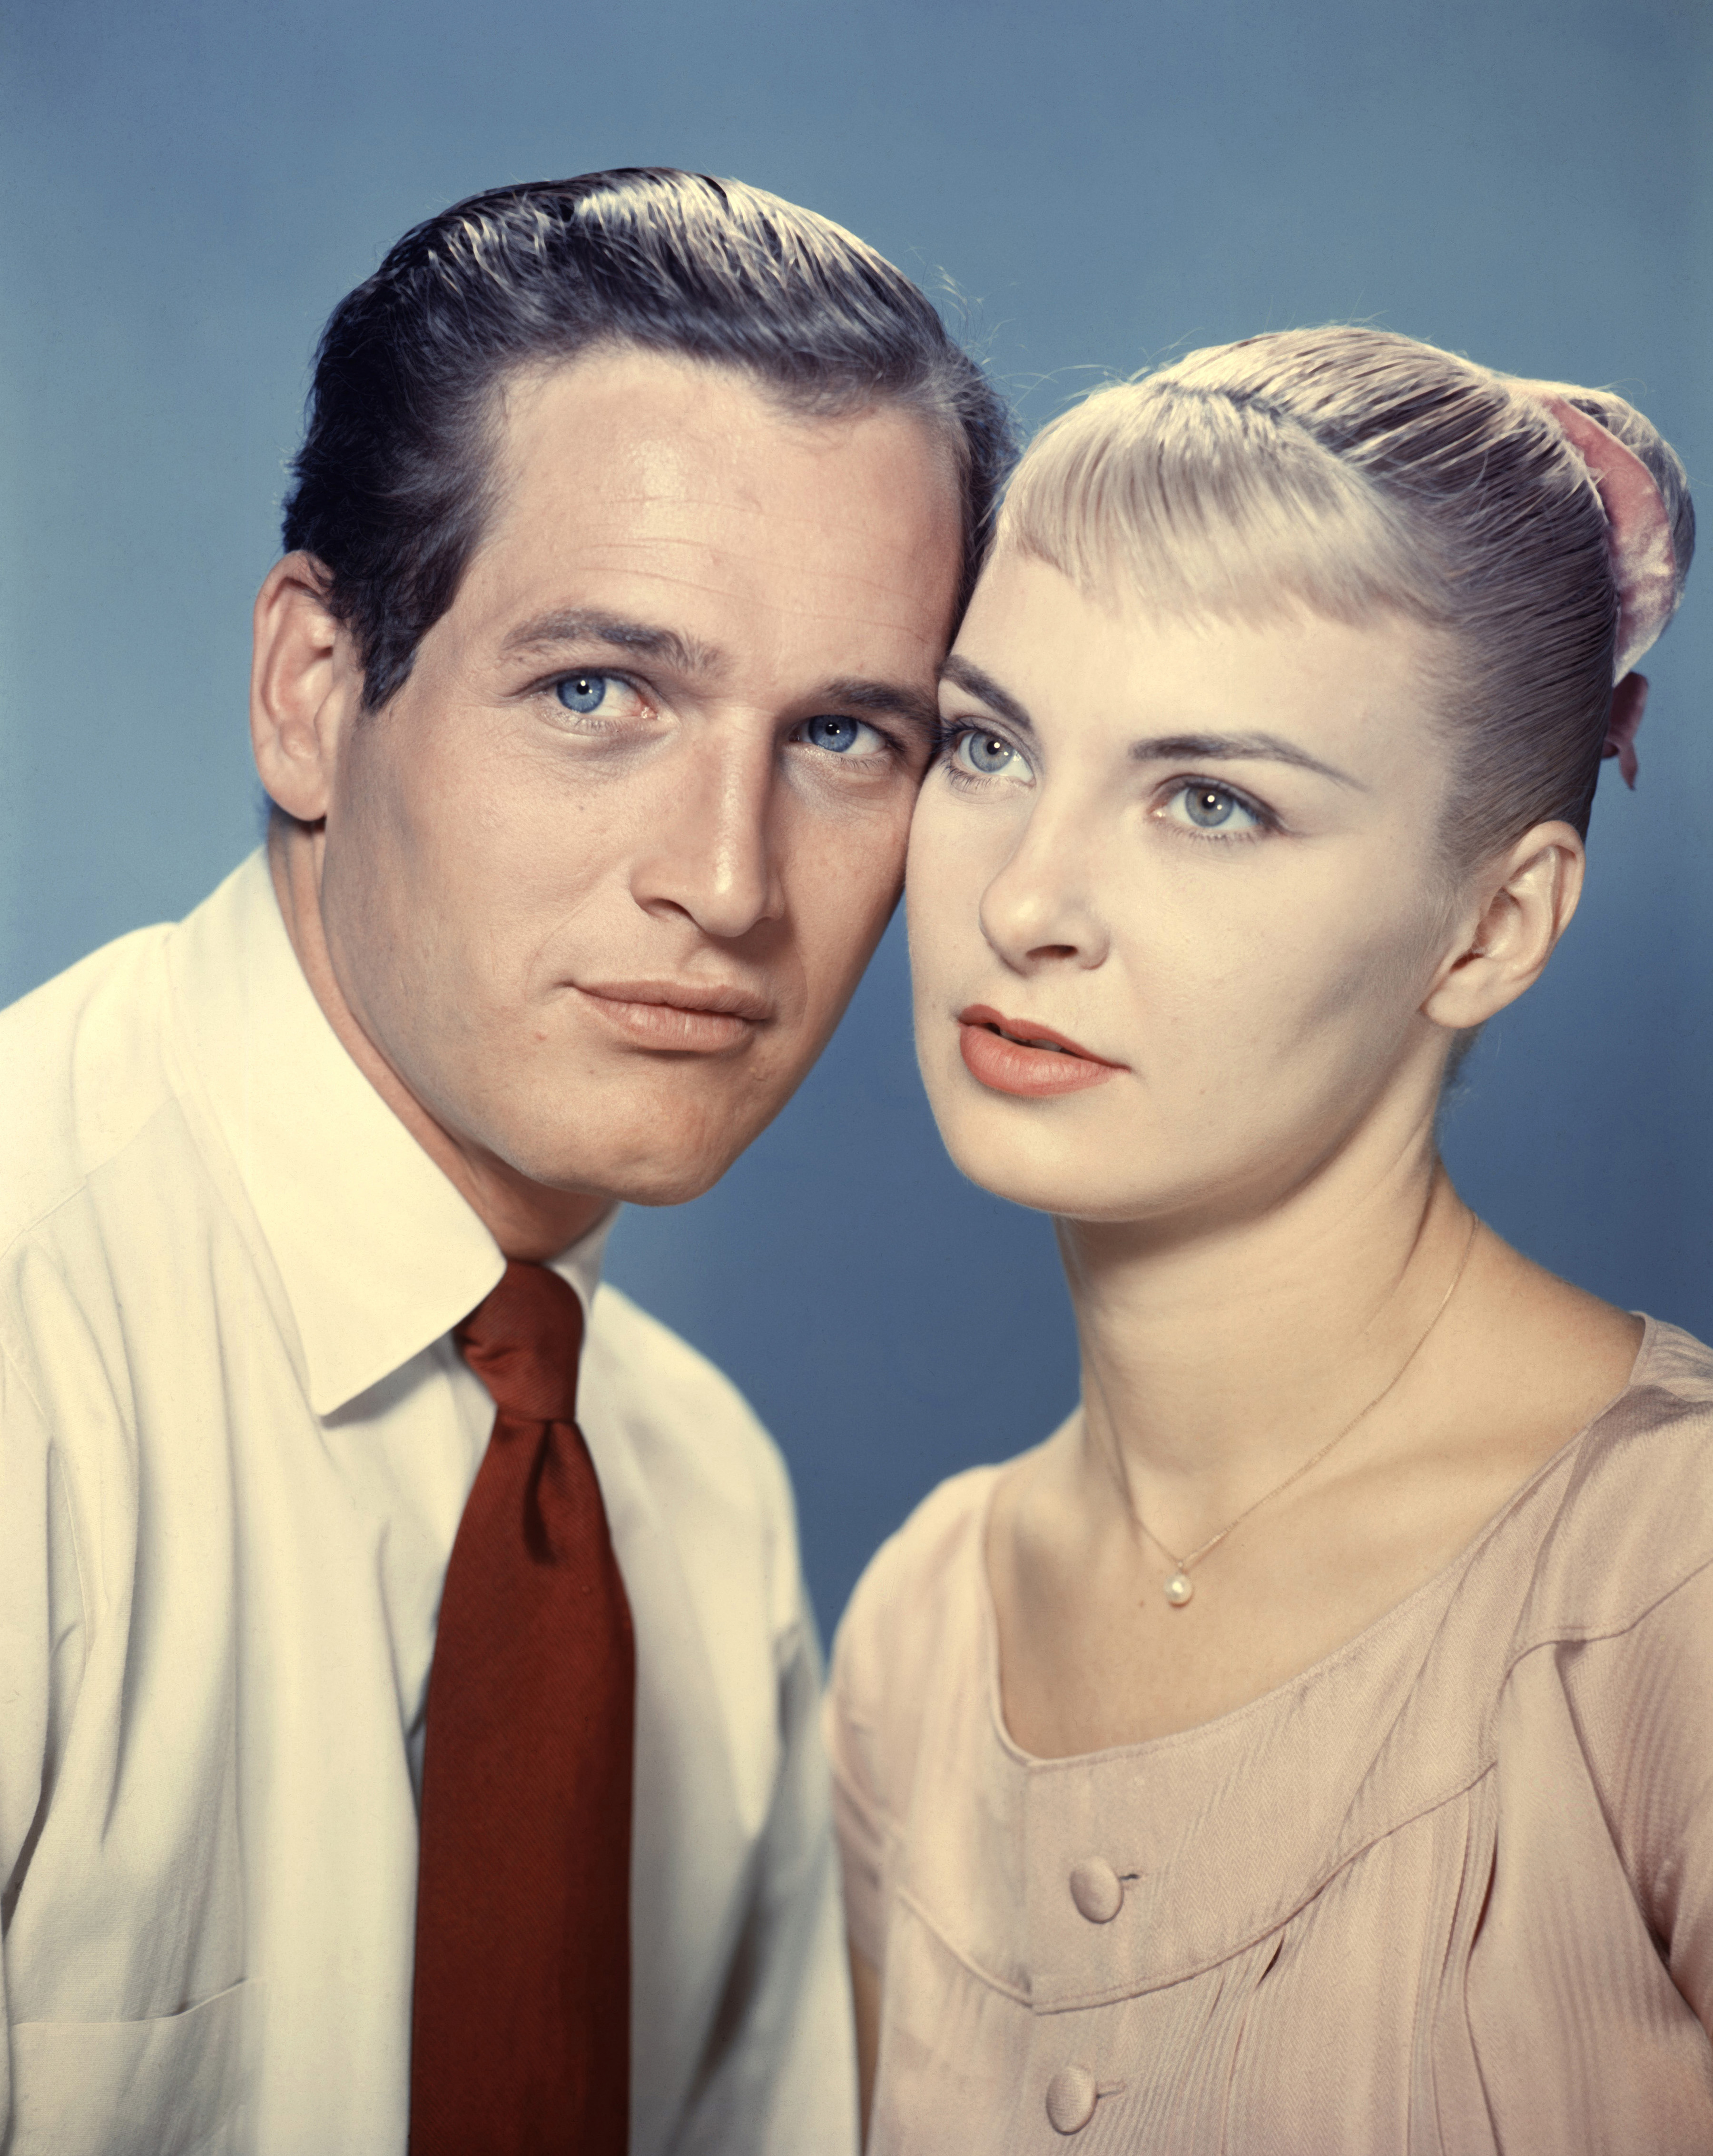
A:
(582, 692)
(828, 731)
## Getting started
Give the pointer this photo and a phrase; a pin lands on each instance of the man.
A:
(591, 695)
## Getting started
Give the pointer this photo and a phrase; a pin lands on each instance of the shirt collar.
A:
(378, 1253)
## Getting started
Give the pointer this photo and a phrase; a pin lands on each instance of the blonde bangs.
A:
(1192, 502)
(1350, 472)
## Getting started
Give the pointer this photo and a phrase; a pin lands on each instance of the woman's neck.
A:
(1215, 1362)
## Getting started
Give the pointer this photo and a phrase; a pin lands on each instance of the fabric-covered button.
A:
(1070, 2099)
(1096, 1889)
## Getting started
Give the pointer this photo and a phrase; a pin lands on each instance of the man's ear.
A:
(305, 686)
(1519, 905)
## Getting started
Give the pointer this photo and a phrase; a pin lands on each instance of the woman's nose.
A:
(1038, 910)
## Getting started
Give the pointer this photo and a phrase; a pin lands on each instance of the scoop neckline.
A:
(1038, 1763)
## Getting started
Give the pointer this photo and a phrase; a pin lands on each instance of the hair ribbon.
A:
(1643, 560)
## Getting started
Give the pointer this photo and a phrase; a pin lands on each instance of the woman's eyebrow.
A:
(1259, 748)
(1219, 748)
(970, 677)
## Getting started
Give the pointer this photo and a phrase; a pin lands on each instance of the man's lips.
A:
(697, 1017)
(1016, 1055)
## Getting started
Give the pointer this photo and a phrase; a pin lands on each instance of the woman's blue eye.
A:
(583, 693)
(1214, 809)
(987, 754)
(831, 731)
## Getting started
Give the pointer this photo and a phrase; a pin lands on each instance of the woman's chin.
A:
(1072, 1179)
(1079, 1167)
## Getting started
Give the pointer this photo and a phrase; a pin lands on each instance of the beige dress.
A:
(1449, 1890)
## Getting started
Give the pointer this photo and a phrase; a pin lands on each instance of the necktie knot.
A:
(523, 1342)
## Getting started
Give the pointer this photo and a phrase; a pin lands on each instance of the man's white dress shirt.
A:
(235, 1442)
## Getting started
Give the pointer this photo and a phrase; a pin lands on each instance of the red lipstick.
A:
(1016, 1055)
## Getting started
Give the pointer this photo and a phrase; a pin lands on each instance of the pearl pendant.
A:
(1179, 1589)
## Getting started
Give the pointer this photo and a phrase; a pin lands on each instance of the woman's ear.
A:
(1519, 905)
(305, 686)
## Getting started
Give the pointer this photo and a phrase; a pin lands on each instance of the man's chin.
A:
(651, 1181)
(647, 1153)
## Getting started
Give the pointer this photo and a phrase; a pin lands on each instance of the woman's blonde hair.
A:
(1353, 471)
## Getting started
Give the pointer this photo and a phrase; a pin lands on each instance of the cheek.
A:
(439, 899)
(950, 862)
(839, 864)
(1247, 981)
(404, 818)
(1377, 947)
(840, 911)
(370, 868)
(1336, 1003)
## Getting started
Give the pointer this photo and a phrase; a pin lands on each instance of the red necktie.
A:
(520, 2035)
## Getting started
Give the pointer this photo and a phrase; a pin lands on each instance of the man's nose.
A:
(710, 851)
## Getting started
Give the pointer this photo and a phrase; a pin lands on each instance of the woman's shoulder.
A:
(921, 1581)
(1632, 1520)
(1673, 1370)
(913, 1628)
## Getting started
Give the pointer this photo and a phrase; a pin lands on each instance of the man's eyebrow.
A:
(690, 655)
(970, 677)
(1233, 748)
(590, 625)
(886, 698)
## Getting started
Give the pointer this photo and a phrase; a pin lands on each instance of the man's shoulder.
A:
(716, 1481)
(81, 1072)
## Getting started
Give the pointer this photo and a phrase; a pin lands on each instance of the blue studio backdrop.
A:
(190, 185)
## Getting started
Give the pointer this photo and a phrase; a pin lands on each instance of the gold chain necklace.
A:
(1180, 1587)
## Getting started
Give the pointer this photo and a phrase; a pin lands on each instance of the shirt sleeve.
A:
(856, 1806)
(42, 1638)
(1644, 1706)
(784, 2081)
(908, 1621)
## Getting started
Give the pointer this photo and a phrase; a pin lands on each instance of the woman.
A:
(1304, 1749)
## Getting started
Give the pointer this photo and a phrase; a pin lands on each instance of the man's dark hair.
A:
(394, 480)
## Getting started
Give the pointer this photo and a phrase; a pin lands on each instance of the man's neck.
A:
(526, 1219)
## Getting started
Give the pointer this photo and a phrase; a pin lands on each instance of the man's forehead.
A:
(656, 411)
(670, 511)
